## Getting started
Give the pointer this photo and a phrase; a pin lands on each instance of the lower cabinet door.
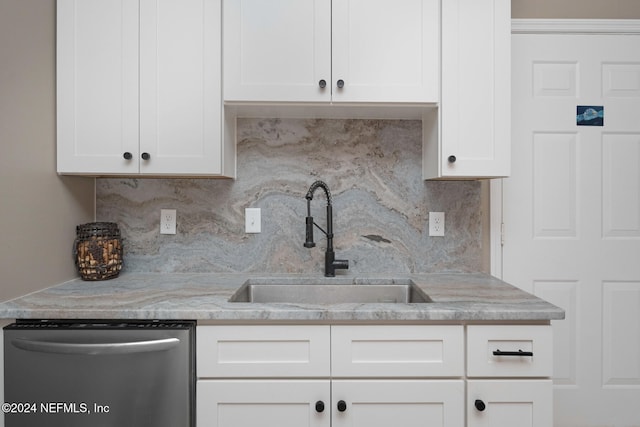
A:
(406, 403)
(508, 403)
(265, 403)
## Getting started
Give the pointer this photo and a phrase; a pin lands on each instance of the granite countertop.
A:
(456, 297)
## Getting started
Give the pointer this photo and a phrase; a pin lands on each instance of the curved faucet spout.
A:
(314, 187)
(331, 264)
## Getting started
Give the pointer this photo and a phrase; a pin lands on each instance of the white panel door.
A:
(386, 50)
(572, 215)
(180, 87)
(277, 50)
(97, 86)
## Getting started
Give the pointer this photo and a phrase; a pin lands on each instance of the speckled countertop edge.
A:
(456, 297)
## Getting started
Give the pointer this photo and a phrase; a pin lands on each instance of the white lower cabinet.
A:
(392, 351)
(374, 375)
(508, 370)
(265, 351)
(406, 403)
(268, 403)
(508, 403)
(324, 403)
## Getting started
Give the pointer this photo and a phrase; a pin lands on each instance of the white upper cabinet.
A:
(471, 136)
(446, 62)
(97, 86)
(277, 50)
(378, 51)
(180, 86)
(386, 50)
(139, 88)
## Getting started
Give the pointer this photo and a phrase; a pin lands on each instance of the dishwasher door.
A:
(100, 375)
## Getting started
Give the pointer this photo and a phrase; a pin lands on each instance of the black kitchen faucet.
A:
(330, 261)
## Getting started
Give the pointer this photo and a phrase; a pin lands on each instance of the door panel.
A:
(571, 213)
(410, 403)
(277, 50)
(386, 51)
(268, 403)
(180, 86)
(524, 403)
(475, 107)
(97, 86)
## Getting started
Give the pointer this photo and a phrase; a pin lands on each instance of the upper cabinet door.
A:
(341, 51)
(386, 51)
(180, 87)
(476, 88)
(277, 50)
(139, 88)
(97, 86)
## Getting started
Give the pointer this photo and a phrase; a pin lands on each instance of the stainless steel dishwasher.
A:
(99, 374)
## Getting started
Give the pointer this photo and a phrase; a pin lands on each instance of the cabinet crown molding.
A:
(575, 26)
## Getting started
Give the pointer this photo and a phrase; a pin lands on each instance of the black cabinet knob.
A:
(127, 155)
(342, 406)
(452, 159)
(322, 83)
(319, 406)
(146, 156)
(340, 84)
(480, 406)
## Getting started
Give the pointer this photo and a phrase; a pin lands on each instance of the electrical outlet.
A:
(252, 222)
(167, 221)
(436, 223)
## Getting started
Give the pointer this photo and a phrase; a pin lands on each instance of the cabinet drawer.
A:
(494, 351)
(262, 351)
(397, 351)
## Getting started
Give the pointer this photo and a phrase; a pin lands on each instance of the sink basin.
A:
(330, 291)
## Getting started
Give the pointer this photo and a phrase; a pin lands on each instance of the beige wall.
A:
(576, 9)
(38, 209)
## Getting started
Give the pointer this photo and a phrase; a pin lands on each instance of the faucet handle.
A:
(331, 264)
(342, 264)
(309, 243)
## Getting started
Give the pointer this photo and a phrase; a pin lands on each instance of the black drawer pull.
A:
(513, 353)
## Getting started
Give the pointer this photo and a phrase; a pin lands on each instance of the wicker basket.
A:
(98, 250)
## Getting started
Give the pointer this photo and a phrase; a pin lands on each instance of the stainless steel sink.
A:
(330, 291)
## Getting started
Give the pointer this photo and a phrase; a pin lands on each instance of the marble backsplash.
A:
(381, 205)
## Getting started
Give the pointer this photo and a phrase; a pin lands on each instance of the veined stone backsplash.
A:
(381, 205)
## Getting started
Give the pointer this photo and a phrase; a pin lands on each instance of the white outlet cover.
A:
(436, 224)
(167, 221)
(252, 221)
